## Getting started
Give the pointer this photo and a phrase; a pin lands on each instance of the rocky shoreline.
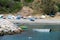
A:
(10, 32)
(7, 27)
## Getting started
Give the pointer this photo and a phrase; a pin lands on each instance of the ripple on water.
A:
(31, 35)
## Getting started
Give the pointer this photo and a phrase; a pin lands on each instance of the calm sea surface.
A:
(31, 35)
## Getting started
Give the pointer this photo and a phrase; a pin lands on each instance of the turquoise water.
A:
(31, 35)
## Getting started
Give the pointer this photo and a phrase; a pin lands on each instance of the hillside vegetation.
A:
(39, 6)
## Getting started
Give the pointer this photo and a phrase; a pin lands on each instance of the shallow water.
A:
(31, 35)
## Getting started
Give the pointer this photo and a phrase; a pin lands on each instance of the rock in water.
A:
(6, 26)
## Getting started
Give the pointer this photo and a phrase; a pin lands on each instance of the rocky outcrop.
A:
(7, 27)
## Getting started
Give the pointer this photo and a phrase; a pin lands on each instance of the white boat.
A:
(41, 30)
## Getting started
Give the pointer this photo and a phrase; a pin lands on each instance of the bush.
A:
(10, 6)
(29, 1)
(49, 7)
(17, 6)
(58, 4)
(17, 0)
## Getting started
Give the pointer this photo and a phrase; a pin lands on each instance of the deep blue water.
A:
(31, 35)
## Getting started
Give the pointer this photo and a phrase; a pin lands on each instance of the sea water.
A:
(32, 35)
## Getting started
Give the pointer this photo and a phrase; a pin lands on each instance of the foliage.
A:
(48, 7)
(17, 0)
(29, 1)
(9, 6)
(17, 6)
(58, 4)
(36, 7)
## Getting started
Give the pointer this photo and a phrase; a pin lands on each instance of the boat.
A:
(24, 27)
(42, 30)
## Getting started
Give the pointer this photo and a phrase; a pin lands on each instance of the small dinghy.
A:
(42, 30)
(24, 27)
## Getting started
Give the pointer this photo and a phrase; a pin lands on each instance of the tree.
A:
(10, 6)
(48, 7)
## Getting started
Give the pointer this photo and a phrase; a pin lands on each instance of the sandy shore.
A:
(37, 21)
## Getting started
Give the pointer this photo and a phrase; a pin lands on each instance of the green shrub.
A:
(17, 6)
(58, 4)
(29, 1)
(49, 7)
(10, 6)
(17, 0)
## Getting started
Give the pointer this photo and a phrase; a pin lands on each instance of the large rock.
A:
(6, 26)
